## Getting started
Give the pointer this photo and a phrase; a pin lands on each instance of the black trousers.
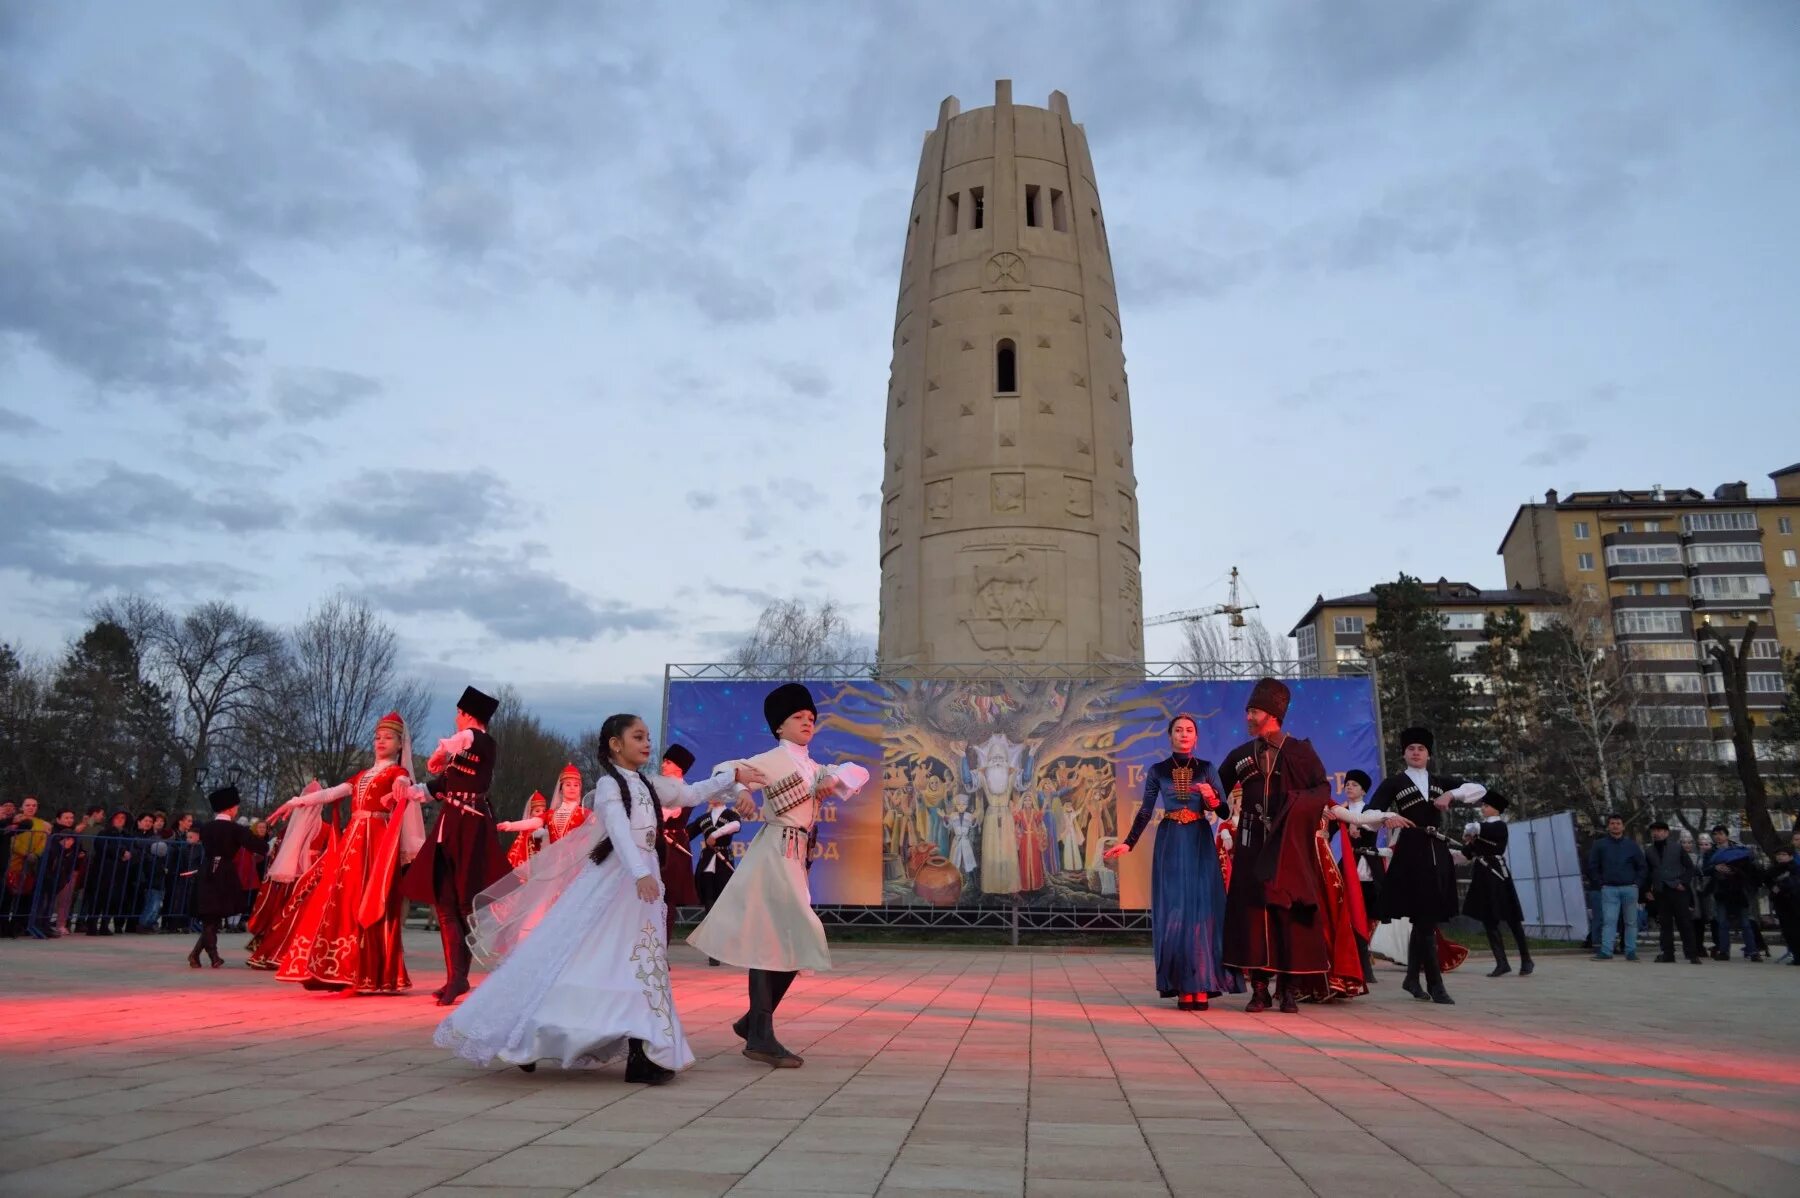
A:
(1497, 942)
(767, 988)
(209, 937)
(453, 929)
(1421, 954)
(1671, 913)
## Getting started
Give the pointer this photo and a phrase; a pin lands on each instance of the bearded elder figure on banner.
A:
(995, 769)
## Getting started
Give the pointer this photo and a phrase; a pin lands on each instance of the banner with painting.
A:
(992, 792)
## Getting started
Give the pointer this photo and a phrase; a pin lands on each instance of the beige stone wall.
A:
(1009, 525)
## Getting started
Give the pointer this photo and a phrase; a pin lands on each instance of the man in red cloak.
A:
(1274, 923)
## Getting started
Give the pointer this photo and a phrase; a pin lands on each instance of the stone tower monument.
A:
(1009, 523)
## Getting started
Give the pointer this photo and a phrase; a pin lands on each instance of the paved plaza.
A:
(937, 1072)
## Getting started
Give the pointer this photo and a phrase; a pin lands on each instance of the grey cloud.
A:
(419, 507)
(122, 500)
(821, 559)
(802, 378)
(317, 394)
(702, 501)
(631, 269)
(1560, 448)
(124, 299)
(19, 424)
(512, 599)
(1432, 496)
(760, 598)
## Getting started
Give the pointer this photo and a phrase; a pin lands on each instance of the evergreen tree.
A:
(1415, 670)
(111, 731)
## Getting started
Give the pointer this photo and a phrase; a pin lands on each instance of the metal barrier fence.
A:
(57, 883)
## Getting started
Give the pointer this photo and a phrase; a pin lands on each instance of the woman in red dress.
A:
(568, 814)
(527, 843)
(674, 849)
(1034, 841)
(293, 873)
(347, 936)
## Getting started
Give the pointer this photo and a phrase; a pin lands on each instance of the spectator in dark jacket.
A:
(1783, 880)
(1616, 868)
(1734, 874)
(1671, 891)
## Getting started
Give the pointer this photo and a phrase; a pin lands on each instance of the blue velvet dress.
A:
(1187, 890)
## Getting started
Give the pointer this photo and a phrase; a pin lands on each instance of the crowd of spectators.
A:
(102, 873)
(1689, 894)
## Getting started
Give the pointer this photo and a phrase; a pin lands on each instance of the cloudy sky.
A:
(560, 330)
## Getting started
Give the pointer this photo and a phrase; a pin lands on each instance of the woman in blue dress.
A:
(1187, 891)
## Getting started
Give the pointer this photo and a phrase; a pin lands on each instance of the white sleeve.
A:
(319, 798)
(725, 829)
(618, 827)
(1362, 819)
(849, 775)
(1469, 792)
(673, 792)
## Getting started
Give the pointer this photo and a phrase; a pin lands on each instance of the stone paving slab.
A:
(929, 1072)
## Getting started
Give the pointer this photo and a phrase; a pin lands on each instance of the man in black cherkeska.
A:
(462, 855)
(1420, 884)
(221, 891)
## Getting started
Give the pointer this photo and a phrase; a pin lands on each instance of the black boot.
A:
(1434, 980)
(1501, 968)
(1259, 995)
(640, 1068)
(194, 959)
(1412, 987)
(447, 933)
(1285, 996)
(760, 1043)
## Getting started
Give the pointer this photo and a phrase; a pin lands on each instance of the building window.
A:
(1663, 650)
(1006, 369)
(1649, 621)
(1643, 555)
(1666, 684)
(1784, 526)
(1719, 522)
(1464, 621)
(1765, 648)
(952, 211)
(1031, 206)
(1763, 684)
(1541, 620)
(1731, 586)
(1465, 650)
(1589, 591)
(1596, 628)
(1584, 561)
(1653, 526)
(1476, 683)
(1733, 551)
(1789, 558)
(1347, 625)
(1794, 588)
(1672, 717)
(1624, 526)
(1662, 588)
(977, 208)
(1059, 211)
(1307, 639)
(1631, 588)
(1349, 653)
(1582, 530)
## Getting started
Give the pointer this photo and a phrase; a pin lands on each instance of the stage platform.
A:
(929, 1072)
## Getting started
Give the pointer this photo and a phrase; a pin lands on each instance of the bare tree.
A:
(531, 755)
(1585, 692)
(220, 666)
(344, 676)
(1208, 646)
(1733, 662)
(791, 634)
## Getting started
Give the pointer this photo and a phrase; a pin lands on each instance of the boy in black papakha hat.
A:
(462, 854)
(764, 921)
(220, 893)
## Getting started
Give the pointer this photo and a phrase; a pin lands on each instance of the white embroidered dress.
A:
(584, 963)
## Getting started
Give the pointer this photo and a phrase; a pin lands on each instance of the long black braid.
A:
(615, 726)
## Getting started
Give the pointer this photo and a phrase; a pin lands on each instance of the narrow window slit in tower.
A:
(977, 208)
(1006, 369)
(1031, 206)
(1059, 211)
(951, 206)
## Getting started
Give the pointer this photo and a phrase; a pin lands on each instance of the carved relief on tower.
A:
(1131, 598)
(939, 497)
(890, 521)
(1005, 271)
(1127, 514)
(1012, 596)
(1009, 493)
(1078, 497)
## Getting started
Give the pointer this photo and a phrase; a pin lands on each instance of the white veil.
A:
(507, 911)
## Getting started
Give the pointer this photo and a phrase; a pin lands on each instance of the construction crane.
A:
(1232, 607)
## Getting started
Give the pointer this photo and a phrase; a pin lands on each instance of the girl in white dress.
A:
(578, 934)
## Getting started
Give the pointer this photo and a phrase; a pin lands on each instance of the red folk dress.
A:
(330, 948)
(279, 904)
